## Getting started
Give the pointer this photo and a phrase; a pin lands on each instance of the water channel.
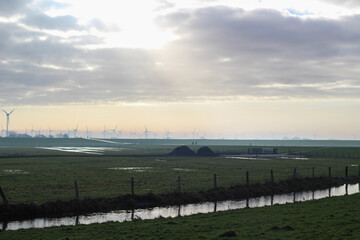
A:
(182, 210)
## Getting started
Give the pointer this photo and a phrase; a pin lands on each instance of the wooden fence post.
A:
(329, 171)
(294, 173)
(272, 175)
(215, 183)
(5, 200)
(247, 177)
(346, 171)
(76, 190)
(179, 184)
(132, 187)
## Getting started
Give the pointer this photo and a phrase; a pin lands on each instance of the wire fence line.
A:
(244, 177)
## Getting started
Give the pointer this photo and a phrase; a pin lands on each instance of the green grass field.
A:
(31, 174)
(331, 218)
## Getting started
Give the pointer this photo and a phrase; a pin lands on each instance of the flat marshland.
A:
(40, 178)
(45, 170)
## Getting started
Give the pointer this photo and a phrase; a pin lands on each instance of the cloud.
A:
(344, 3)
(101, 26)
(221, 53)
(164, 4)
(263, 46)
(49, 4)
(43, 21)
(11, 7)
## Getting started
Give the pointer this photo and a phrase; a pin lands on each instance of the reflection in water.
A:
(4, 226)
(132, 214)
(183, 210)
(77, 220)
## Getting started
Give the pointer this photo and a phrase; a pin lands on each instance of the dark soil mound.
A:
(182, 151)
(205, 151)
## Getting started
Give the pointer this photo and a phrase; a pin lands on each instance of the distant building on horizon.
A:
(262, 150)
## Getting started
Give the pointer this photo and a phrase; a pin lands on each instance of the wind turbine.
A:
(167, 134)
(146, 133)
(104, 132)
(32, 131)
(7, 121)
(113, 132)
(87, 132)
(50, 136)
(119, 133)
(195, 134)
(75, 131)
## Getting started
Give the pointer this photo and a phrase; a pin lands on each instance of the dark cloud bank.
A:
(221, 53)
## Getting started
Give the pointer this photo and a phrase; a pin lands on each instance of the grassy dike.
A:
(331, 218)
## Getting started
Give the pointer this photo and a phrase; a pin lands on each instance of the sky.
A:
(245, 69)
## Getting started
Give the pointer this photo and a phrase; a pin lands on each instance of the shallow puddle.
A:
(132, 169)
(182, 210)
(247, 158)
(14, 171)
(161, 160)
(184, 169)
(294, 158)
(147, 169)
(87, 150)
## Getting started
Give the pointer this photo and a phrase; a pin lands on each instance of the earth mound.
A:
(182, 151)
(205, 151)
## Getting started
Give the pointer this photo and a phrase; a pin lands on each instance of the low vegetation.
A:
(35, 175)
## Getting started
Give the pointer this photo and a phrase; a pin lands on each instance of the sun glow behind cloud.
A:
(131, 24)
(222, 65)
(127, 24)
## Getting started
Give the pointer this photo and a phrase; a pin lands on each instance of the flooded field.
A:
(87, 150)
(13, 171)
(132, 169)
(148, 169)
(183, 210)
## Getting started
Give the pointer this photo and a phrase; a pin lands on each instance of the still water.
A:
(182, 210)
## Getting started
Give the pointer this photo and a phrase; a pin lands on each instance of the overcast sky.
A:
(197, 58)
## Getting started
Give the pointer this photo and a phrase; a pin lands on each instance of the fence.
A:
(248, 178)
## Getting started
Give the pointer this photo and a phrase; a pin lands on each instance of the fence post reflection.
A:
(347, 189)
(4, 226)
(294, 200)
